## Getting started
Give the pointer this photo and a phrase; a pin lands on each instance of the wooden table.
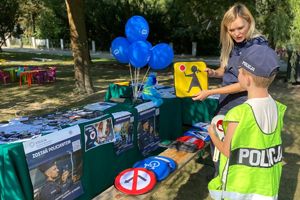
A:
(180, 157)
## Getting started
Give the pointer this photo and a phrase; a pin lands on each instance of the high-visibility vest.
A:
(254, 167)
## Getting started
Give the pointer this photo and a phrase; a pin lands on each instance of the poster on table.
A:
(190, 78)
(99, 106)
(98, 133)
(55, 164)
(123, 129)
(148, 126)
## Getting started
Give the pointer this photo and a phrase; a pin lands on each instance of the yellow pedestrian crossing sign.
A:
(190, 78)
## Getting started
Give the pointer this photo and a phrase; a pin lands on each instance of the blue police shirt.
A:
(228, 101)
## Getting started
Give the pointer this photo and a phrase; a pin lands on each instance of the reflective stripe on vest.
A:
(256, 157)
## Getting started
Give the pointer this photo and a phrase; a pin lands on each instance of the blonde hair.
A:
(237, 10)
(259, 81)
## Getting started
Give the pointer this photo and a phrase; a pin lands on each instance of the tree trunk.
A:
(79, 45)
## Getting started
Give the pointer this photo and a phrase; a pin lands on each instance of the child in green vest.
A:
(251, 152)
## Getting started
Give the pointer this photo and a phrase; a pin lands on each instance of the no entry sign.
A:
(218, 122)
(135, 181)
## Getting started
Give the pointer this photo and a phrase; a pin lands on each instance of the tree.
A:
(29, 13)
(274, 18)
(8, 19)
(295, 28)
(79, 45)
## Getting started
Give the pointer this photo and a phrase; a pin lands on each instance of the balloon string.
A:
(137, 87)
(131, 78)
(144, 79)
(135, 82)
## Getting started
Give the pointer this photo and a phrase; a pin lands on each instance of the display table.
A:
(101, 164)
(191, 111)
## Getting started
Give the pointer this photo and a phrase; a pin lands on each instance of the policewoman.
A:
(238, 32)
(251, 152)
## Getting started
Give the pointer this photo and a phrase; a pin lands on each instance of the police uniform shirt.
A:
(228, 101)
(50, 191)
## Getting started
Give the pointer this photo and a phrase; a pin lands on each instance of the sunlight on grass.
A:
(96, 60)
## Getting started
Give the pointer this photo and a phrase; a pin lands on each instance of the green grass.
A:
(11, 59)
(41, 99)
(17, 56)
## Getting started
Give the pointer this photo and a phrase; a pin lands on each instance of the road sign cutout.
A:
(218, 122)
(160, 168)
(135, 181)
(190, 78)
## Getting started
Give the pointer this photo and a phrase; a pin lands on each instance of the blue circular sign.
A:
(160, 168)
(172, 164)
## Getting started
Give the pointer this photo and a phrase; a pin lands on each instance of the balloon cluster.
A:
(136, 50)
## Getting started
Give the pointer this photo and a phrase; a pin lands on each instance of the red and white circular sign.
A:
(218, 121)
(135, 181)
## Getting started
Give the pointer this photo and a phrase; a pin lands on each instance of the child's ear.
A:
(249, 80)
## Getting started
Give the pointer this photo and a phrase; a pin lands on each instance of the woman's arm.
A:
(228, 89)
(223, 146)
(218, 73)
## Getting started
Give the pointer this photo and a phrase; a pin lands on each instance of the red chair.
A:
(51, 73)
(4, 76)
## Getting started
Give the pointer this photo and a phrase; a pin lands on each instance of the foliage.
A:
(48, 25)
(275, 20)
(29, 11)
(295, 28)
(44, 19)
(9, 10)
(107, 23)
(177, 21)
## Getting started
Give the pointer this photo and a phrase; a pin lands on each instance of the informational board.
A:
(148, 126)
(123, 128)
(55, 164)
(99, 133)
(190, 78)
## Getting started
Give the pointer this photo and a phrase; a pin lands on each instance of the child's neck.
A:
(257, 93)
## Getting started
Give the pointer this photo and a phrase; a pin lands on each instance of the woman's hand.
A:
(202, 95)
(210, 72)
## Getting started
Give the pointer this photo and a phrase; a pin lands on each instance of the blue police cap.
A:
(259, 60)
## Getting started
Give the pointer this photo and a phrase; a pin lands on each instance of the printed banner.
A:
(98, 133)
(190, 78)
(147, 130)
(123, 128)
(55, 164)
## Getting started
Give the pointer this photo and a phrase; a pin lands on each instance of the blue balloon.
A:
(139, 54)
(161, 56)
(136, 29)
(119, 49)
(149, 44)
